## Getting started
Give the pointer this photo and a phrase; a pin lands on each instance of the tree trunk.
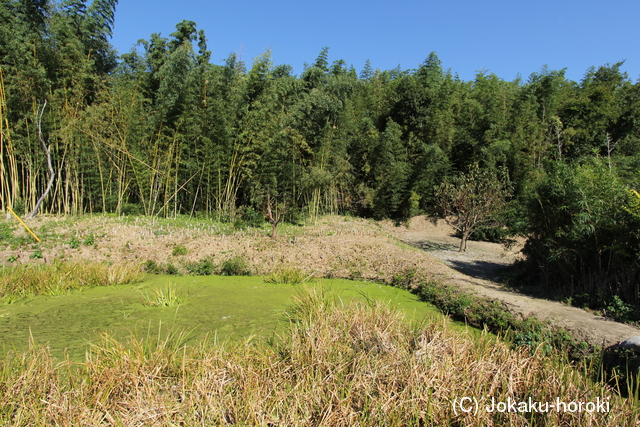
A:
(52, 174)
(463, 241)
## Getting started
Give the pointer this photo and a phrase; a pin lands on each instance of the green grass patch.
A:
(221, 307)
(179, 250)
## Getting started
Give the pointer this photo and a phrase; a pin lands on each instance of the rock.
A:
(621, 365)
(633, 342)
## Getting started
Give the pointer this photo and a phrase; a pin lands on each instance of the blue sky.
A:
(508, 38)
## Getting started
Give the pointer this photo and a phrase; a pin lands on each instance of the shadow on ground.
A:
(434, 246)
(480, 269)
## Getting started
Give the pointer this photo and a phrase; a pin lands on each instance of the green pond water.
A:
(217, 307)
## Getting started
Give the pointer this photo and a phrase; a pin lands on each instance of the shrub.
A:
(236, 266)
(131, 209)
(252, 217)
(495, 317)
(204, 267)
(179, 250)
(152, 267)
(89, 240)
(404, 279)
(74, 243)
(171, 270)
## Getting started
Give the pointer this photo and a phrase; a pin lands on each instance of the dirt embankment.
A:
(334, 247)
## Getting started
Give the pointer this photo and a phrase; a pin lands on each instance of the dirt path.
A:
(478, 270)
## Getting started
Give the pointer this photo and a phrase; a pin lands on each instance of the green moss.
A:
(234, 307)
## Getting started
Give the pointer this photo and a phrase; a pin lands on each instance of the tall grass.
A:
(59, 278)
(355, 365)
(288, 275)
(166, 296)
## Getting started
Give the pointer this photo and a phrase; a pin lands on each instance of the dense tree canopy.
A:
(161, 130)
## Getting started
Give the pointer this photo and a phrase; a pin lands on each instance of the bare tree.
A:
(274, 212)
(469, 200)
(47, 150)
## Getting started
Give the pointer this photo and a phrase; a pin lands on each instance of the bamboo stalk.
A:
(23, 224)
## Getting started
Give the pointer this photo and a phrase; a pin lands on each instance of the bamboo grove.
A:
(161, 130)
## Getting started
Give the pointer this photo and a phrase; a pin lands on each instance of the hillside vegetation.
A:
(162, 131)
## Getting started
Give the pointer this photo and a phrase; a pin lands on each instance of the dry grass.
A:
(360, 365)
(333, 247)
(288, 275)
(60, 277)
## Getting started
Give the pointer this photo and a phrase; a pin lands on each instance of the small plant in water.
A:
(167, 296)
(287, 275)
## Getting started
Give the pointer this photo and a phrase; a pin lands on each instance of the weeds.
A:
(288, 275)
(89, 240)
(179, 250)
(167, 296)
(204, 267)
(74, 243)
(493, 316)
(355, 365)
(36, 254)
(58, 278)
(6, 232)
(236, 266)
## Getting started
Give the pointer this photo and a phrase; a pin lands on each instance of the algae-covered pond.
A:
(219, 307)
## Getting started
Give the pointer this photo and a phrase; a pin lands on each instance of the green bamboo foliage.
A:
(163, 131)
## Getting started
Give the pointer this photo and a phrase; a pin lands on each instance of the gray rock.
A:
(632, 343)
(621, 365)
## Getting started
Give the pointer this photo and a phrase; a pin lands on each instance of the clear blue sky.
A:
(508, 37)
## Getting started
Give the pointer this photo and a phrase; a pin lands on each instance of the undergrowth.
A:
(288, 275)
(495, 317)
(58, 278)
(166, 296)
(361, 364)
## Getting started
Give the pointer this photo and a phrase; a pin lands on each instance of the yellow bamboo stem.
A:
(23, 224)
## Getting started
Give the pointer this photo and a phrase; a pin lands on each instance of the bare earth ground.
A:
(478, 270)
(334, 247)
